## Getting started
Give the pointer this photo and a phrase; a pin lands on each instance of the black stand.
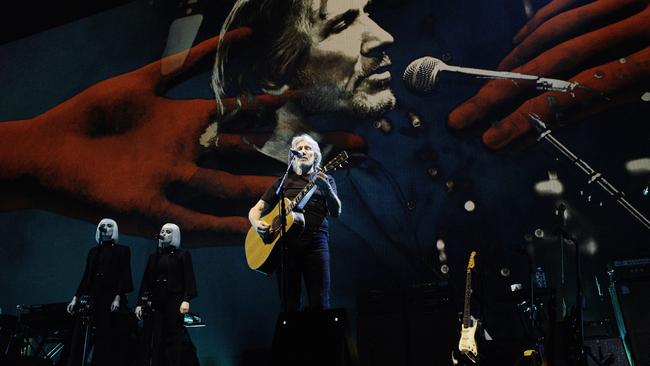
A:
(147, 309)
(581, 351)
(86, 327)
(85, 309)
(594, 177)
(534, 358)
(279, 192)
(532, 315)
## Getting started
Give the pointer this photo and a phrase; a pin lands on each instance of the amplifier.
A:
(606, 351)
(630, 269)
(630, 294)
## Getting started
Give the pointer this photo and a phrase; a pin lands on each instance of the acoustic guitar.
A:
(261, 253)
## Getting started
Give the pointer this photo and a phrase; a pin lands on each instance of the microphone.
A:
(158, 237)
(421, 75)
(102, 229)
(296, 153)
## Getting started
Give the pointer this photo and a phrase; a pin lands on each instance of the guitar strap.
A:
(305, 199)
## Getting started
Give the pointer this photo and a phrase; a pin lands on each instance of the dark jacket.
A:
(180, 275)
(117, 274)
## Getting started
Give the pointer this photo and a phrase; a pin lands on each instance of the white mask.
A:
(111, 232)
(171, 236)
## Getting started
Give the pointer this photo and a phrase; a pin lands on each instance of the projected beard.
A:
(346, 68)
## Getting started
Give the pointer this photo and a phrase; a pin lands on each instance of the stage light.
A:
(638, 166)
(551, 187)
(505, 272)
(645, 97)
(415, 120)
(384, 125)
(433, 172)
(590, 247)
(469, 206)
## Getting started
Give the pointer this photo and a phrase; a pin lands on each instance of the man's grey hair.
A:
(314, 146)
(268, 59)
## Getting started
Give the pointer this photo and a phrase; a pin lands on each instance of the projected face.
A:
(346, 69)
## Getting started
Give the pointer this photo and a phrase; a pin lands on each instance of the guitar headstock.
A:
(470, 264)
(337, 162)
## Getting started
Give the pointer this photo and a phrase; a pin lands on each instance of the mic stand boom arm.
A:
(546, 84)
(594, 176)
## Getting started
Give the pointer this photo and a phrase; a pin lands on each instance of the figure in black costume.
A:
(167, 287)
(308, 256)
(105, 282)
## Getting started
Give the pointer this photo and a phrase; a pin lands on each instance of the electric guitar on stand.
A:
(260, 251)
(467, 344)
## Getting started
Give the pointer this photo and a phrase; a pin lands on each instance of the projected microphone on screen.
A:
(421, 75)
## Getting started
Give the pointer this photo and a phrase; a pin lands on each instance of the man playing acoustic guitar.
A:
(308, 255)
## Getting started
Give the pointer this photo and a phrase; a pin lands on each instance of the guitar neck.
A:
(468, 294)
(301, 195)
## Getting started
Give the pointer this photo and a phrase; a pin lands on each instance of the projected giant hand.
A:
(121, 148)
(563, 42)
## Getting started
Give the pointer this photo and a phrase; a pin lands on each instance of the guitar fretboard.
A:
(301, 195)
(468, 294)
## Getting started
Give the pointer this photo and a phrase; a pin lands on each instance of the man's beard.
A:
(300, 168)
(327, 99)
(372, 105)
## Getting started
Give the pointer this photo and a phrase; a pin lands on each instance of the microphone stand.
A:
(149, 307)
(545, 134)
(87, 316)
(279, 192)
(582, 352)
(85, 321)
(594, 176)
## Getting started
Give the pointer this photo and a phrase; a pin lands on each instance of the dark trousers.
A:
(308, 259)
(166, 341)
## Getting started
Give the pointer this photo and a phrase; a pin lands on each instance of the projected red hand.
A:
(121, 149)
(561, 43)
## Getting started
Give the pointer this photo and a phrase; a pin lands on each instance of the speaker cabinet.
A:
(630, 290)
